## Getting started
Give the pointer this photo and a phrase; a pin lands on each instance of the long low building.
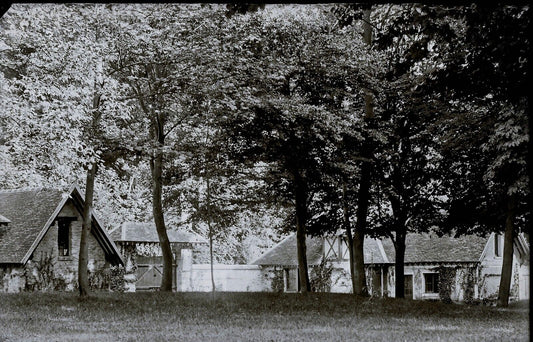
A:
(468, 266)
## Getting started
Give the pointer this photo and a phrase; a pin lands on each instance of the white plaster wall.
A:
(228, 278)
(491, 268)
(341, 281)
(524, 282)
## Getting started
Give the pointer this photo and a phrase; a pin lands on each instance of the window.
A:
(408, 289)
(63, 237)
(432, 282)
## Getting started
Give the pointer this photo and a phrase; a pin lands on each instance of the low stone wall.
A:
(228, 278)
(42, 277)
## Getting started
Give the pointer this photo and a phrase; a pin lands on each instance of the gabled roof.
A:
(285, 252)
(429, 247)
(31, 212)
(146, 232)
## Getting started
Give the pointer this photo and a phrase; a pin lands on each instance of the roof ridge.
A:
(24, 189)
(30, 188)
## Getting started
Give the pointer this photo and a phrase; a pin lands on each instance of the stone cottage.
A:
(40, 236)
(139, 244)
(468, 267)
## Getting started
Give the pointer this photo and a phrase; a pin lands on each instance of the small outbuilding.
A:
(139, 244)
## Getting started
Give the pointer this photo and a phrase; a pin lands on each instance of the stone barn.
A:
(139, 244)
(40, 233)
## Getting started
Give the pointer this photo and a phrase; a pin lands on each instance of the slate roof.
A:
(285, 253)
(31, 212)
(146, 232)
(428, 247)
(373, 252)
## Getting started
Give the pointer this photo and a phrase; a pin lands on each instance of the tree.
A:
(296, 118)
(490, 174)
(59, 84)
(405, 187)
(167, 73)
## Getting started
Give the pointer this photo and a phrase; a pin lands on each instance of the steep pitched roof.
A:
(285, 252)
(31, 212)
(146, 232)
(428, 247)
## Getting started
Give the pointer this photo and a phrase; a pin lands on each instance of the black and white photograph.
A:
(265, 171)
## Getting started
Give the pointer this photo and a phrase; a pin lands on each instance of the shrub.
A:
(446, 283)
(320, 277)
(277, 284)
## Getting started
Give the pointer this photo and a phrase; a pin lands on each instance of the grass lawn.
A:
(251, 317)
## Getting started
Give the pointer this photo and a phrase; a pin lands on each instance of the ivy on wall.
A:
(468, 284)
(320, 277)
(111, 278)
(277, 284)
(39, 275)
(446, 283)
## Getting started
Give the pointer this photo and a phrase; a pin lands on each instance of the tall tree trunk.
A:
(300, 194)
(208, 198)
(213, 289)
(360, 288)
(83, 257)
(348, 231)
(400, 204)
(399, 271)
(83, 280)
(507, 265)
(156, 165)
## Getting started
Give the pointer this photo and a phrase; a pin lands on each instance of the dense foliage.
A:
(245, 122)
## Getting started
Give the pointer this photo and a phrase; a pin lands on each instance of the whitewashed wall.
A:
(228, 278)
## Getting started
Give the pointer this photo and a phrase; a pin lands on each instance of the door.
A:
(148, 277)
(408, 286)
(291, 280)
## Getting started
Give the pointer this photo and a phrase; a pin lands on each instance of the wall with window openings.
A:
(424, 280)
